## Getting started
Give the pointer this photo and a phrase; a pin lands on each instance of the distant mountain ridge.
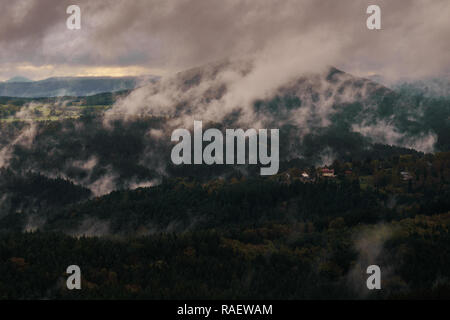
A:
(18, 79)
(70, 86)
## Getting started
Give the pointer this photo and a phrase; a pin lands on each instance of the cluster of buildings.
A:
(328, 173)
(406, 176)
(308, 176)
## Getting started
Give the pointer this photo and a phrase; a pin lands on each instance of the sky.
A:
(160, 37)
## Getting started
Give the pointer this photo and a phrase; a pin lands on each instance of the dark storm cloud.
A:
(28, 20)
(174, 34)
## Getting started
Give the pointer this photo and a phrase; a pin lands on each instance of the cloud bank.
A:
(168, 35)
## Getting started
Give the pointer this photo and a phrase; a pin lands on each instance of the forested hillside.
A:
(364, 178)
(238, 237)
